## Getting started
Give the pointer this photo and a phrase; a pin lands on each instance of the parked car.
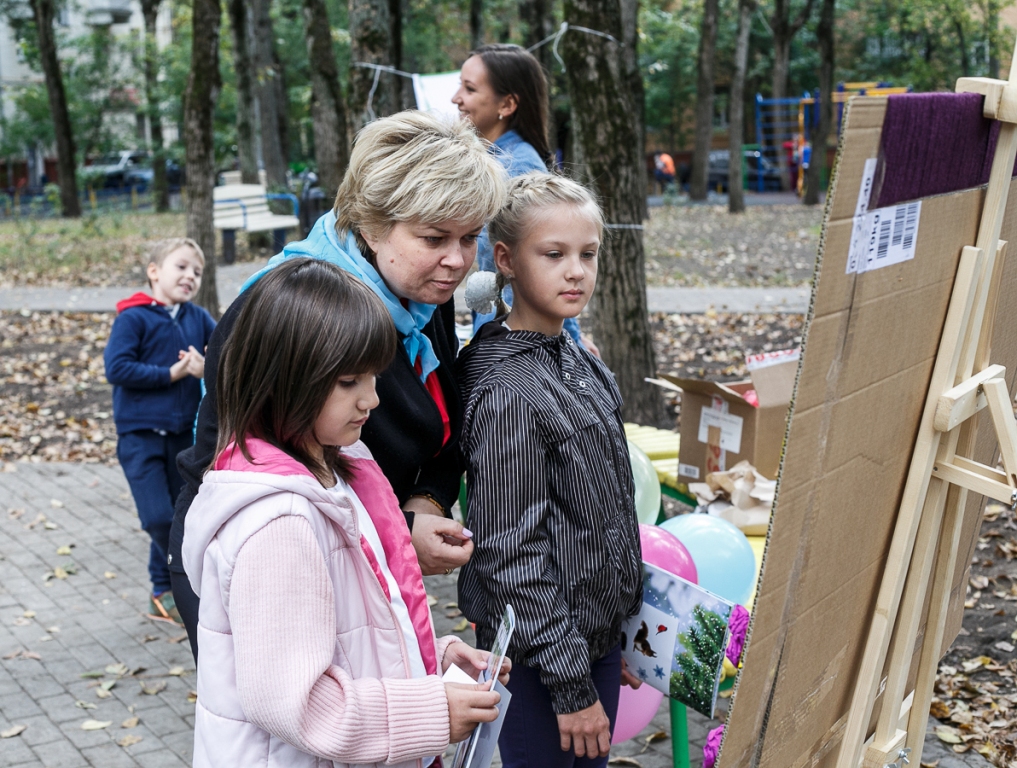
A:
(141, 175)
(114, 167)
(756, 164)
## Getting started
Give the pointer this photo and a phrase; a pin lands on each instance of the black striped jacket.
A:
(550, 504)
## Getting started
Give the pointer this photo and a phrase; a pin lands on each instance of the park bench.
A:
(245, 206)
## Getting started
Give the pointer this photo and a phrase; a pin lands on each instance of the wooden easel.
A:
(930, 520)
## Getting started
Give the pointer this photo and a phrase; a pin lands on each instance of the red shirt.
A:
(433, 387)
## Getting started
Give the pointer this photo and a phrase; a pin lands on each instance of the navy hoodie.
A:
(144, 343)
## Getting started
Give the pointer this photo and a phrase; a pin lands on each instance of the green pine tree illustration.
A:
(694, 679)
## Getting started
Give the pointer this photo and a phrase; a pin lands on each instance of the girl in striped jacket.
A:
(550, 491)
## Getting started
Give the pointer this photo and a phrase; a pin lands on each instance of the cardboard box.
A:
(720, 427)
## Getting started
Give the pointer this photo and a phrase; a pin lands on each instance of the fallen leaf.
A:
(91, 675)
(939, 710)
(176, 671)
(625, 761)
(49, 526)
(192, 697)
(130, 722)
(461, 626)
(432, 600)
(129, 739)
(153, 688)
(29, 614)
(21, 621)
(110, 575)
(453, 614)
(177, 639)
(56, 503)
(14, 730)
(930, 765)
(117, 669)
(40, 519)
(64, 550)
(96, 725)
(107, 685)
(652, 739)
(451, 605)
(14, 514)
(84, 704)
(102, 693)
(53, 630)
(1004, 646)
(948, 735)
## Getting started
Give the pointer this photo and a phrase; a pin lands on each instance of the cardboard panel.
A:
(868, 352)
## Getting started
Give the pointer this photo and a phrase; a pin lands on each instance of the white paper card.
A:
(455, 675)
(858, 230)
(730, 427)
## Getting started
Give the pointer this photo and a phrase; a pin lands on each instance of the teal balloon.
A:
(723, 556)
(647, 485)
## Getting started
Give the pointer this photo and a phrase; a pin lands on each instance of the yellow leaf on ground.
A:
(60, 573)
(631, 761)
(96, 725)
(461, 626)
(64, 550)
(948, 735)
(130, 722)
(14, 730)
(176, 671)
(29, 614)
(110, 575)
(154, 687)
(432, 600)
(128, 740)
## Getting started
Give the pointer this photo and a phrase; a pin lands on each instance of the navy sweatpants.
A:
(530, 738)
(149, 461)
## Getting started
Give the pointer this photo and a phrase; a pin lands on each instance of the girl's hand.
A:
(587, 731)
(467, 706)
(627, 678)
(473, 661)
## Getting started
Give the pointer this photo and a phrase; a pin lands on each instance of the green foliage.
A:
(694, 681)
(669, 41)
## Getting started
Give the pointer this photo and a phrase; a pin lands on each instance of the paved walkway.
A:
(75, 646)
(229, 278)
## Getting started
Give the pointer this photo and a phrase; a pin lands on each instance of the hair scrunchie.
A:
(482, 292)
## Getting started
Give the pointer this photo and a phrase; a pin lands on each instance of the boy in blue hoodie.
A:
(155, 361)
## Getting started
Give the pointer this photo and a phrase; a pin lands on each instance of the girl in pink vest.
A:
(316, 640)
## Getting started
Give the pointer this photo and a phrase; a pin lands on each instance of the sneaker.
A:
(163, 607)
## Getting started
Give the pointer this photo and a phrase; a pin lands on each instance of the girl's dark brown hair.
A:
(511, 69)
(305, 324)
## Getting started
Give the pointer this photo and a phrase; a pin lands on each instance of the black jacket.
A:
(404, 432)
(550, 503)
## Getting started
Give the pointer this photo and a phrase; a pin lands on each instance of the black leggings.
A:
(187, 604)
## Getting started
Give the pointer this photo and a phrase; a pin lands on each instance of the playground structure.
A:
(786, 126)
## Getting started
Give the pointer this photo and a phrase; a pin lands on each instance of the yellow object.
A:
(655, 443)
(758, 544)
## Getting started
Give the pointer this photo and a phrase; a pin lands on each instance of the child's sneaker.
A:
(163, 607)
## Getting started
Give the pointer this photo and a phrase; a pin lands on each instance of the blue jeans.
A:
(530, 737)
(149, 461)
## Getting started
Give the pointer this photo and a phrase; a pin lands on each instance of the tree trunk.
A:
(825, 38)
(272, 153)
(372, 42)
(44, 11)
(784, 30)
(704, 101)
(244, 63)
(536, 18)
(736, 127)
(160, 190)
(328, 111)
(199, 106)
(476, 23)
(282, 101)
(600, 90)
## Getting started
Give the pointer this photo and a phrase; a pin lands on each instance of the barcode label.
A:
(889, 237)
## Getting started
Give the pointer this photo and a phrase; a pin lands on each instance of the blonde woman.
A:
(415, 197)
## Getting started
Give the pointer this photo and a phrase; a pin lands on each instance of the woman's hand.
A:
(473, 661)
(627, 678)
(431, 536)
(467, 706)
(587, 731)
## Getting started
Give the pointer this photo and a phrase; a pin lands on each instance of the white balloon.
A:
(647, 485)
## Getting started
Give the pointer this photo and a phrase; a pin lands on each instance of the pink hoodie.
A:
(301, 654)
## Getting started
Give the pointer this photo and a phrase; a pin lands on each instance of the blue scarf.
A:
(323, 243)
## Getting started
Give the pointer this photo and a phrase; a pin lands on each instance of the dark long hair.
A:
(514, 70)
(305, 324)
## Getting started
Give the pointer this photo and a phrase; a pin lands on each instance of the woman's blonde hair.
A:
(529, 194)
(416, 167)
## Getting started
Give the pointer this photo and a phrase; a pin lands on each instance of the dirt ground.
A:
(772, 245)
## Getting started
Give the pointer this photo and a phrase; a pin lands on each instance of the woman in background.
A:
(503, 92)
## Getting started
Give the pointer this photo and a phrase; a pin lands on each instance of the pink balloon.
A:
(662, 549)
(636, 709)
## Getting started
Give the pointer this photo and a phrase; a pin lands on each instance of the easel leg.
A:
(679, 734)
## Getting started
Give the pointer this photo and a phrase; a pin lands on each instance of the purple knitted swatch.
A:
(932, 144)
(712, 746)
